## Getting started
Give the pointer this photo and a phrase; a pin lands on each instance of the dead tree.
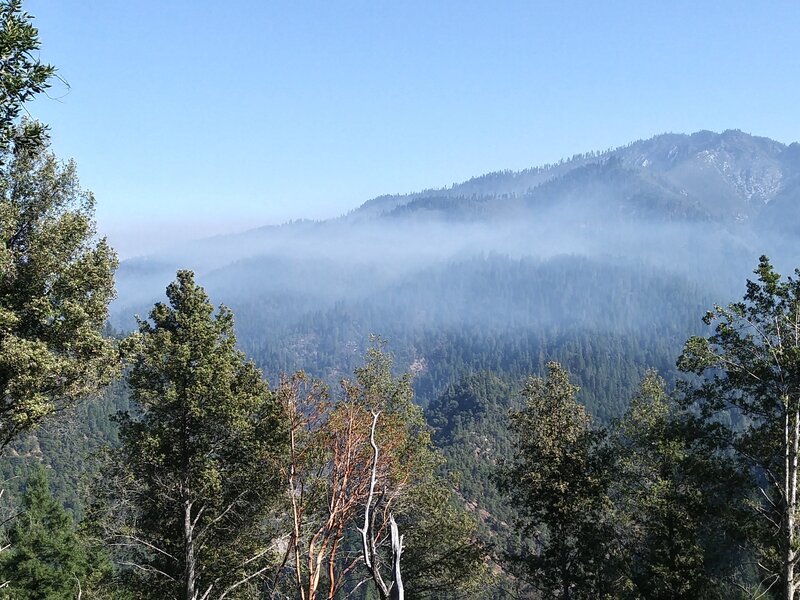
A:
(372, 532)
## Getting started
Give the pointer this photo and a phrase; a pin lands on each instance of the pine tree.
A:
(750, 396)
(47, 559)
(558, 484)
(675, 493)
(196, 474)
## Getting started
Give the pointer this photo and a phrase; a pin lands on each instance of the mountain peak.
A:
(731, 174)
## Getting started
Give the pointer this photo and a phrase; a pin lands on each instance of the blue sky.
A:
(188, 118)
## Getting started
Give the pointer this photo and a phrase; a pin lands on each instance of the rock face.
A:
(734, 174)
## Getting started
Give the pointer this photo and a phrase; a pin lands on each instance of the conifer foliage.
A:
(559, 486)
(676, 493)
(47, 557)
(196, 472)
(750, 395)
(223, 488)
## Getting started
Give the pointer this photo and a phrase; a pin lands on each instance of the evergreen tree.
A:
(47, 559)
(196, 473)
(675, 493)
(750, 398)
(558, 483)
(22, 76)
(442, 557)
(56, 279)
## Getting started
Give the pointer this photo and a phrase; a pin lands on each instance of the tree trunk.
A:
(791, 441)
(367, 534)
(398, 593)
(295, 518)
(188, 568)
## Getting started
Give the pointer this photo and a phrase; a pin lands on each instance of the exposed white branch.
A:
(367, 537)
(398, 592)
(137, 540)
(147, 569)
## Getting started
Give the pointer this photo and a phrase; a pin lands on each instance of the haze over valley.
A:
(637, 241)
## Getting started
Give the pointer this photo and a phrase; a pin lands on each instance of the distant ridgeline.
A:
(605, 262)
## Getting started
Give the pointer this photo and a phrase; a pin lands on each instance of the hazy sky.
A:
(192, 117)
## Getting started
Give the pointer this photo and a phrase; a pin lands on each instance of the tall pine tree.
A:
(196, 473)
(558, 483)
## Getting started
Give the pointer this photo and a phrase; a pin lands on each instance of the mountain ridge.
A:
(663, 150)
(699, 204)
(731, 175)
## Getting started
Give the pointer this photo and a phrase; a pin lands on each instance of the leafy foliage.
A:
(676, 496)
(56, 280)
(559, 486)
(442, 557)
(335, 479)
(22, 76)
(70, 447)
